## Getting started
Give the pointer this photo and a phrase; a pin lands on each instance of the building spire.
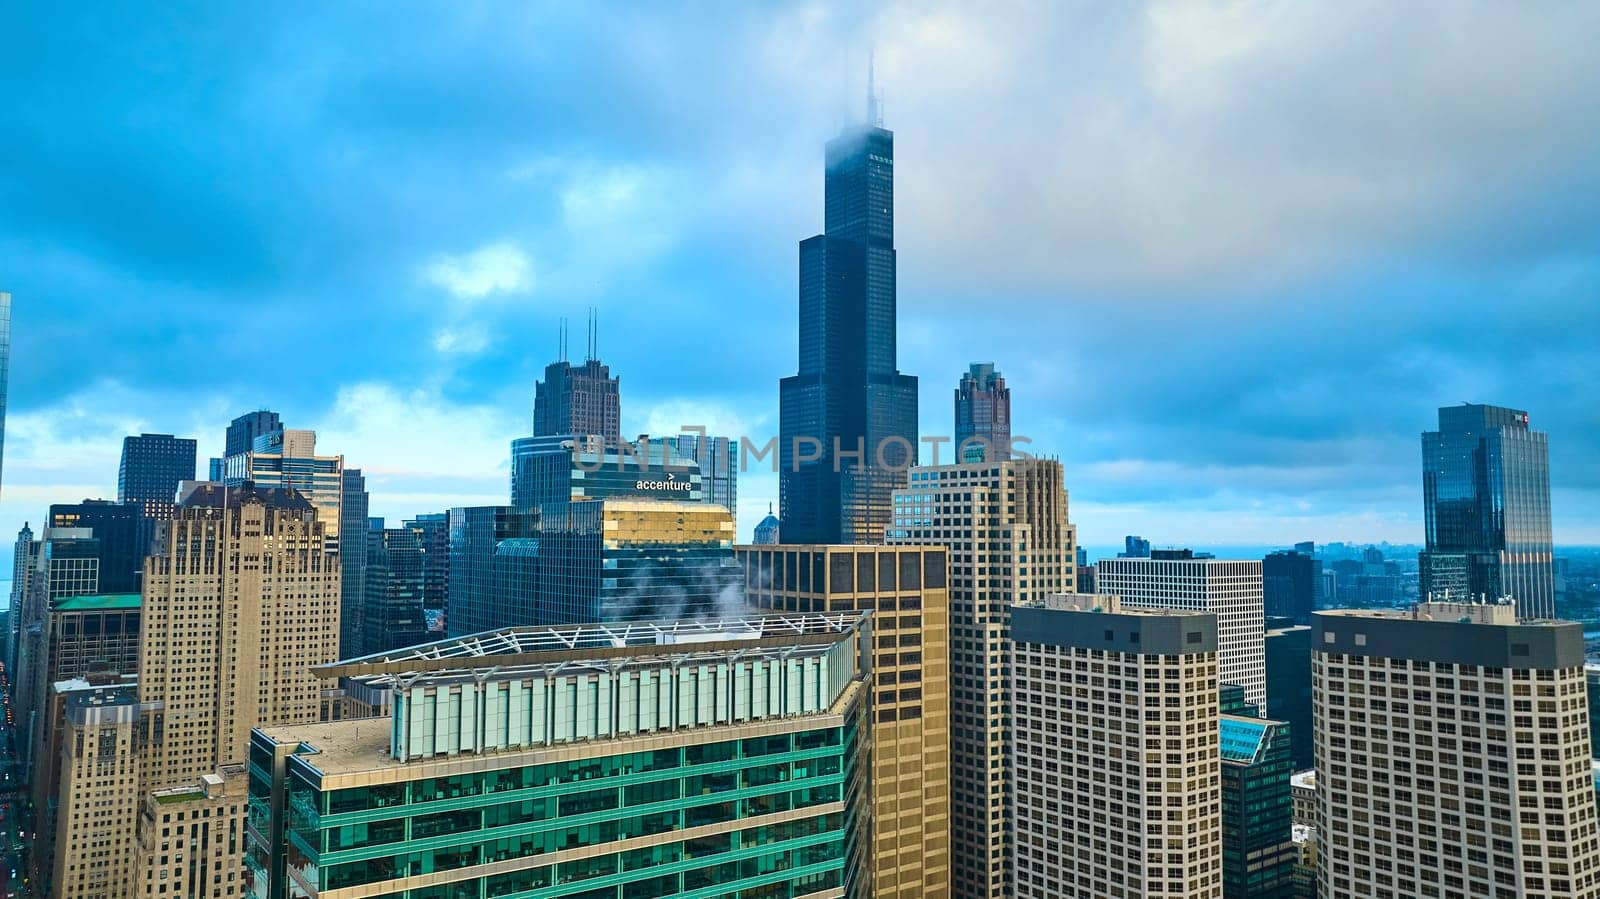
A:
(874, 113)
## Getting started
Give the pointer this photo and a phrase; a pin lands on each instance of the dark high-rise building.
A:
(353, 502)
(1134, 547)
(393, 581)
(152, 467)
(122, 533)
(433, 530)
(243, 431)
(718, 461)
(1258, 850)
(493, 553)
(564, 468)
(1289, 586)
(1486, 507)
(1288, 652)
(983, 415)
(602, 560)
(578, 399)
(848, 418)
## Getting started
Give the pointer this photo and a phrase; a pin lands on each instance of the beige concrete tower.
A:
(905, 588)
(240, 602)
(1452, 747)
(98, 796)
(1005, 527)
(1117, 751)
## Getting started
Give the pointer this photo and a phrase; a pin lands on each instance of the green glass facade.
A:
(742, 806)
(1258, 851)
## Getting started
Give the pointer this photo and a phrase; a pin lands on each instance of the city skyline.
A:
(1355, 338)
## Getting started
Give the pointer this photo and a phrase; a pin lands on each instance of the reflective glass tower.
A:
(5, 364)
(848, 418)
(1486, 507)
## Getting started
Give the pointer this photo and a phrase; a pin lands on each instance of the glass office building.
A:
(726, 758)
(5, 365)
(1258, 850)
(1486, 507)
(718, 461)
(848, 394)
(565, 468)
(433, 531)
(592, 560)
(393, 586)
(492, 576)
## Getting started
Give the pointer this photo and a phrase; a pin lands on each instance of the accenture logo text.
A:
(671, 483)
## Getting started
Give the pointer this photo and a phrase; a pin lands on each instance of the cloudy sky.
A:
(1229, 256)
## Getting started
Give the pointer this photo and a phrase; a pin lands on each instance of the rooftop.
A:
(594, 647)
(1243, 738)
(100, 603)
(1496, 614)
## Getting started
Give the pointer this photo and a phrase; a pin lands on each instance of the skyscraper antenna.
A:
(561, 340)
(874, 115)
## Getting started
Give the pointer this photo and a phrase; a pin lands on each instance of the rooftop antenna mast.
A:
(561, 340)
(594, 333)
(874, 108)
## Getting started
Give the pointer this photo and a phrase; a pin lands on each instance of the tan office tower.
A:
(241, 600)
(1117, 751)
(1452, 748)
(191, 839)
(1005, 527)
(904, 587)
(99, 796)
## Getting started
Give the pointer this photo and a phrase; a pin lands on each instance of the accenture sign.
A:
(670, 484)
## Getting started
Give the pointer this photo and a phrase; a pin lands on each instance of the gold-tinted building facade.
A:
(905, 588)
(1006, 529)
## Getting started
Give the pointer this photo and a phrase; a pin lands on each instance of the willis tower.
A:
(848, 419)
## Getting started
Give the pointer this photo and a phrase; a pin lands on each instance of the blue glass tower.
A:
(1486, 507)
(848, 418)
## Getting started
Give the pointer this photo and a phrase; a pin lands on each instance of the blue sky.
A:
(1230, 257)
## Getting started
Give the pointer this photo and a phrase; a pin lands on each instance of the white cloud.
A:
(466, 339)
(668, 417)
(495, 268)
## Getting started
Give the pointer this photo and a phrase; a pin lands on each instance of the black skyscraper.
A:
(243, 431)
(122, 534)
(152, 467)
(1289, 582)
(848, 419)
(1486, 505)
(578, 399)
